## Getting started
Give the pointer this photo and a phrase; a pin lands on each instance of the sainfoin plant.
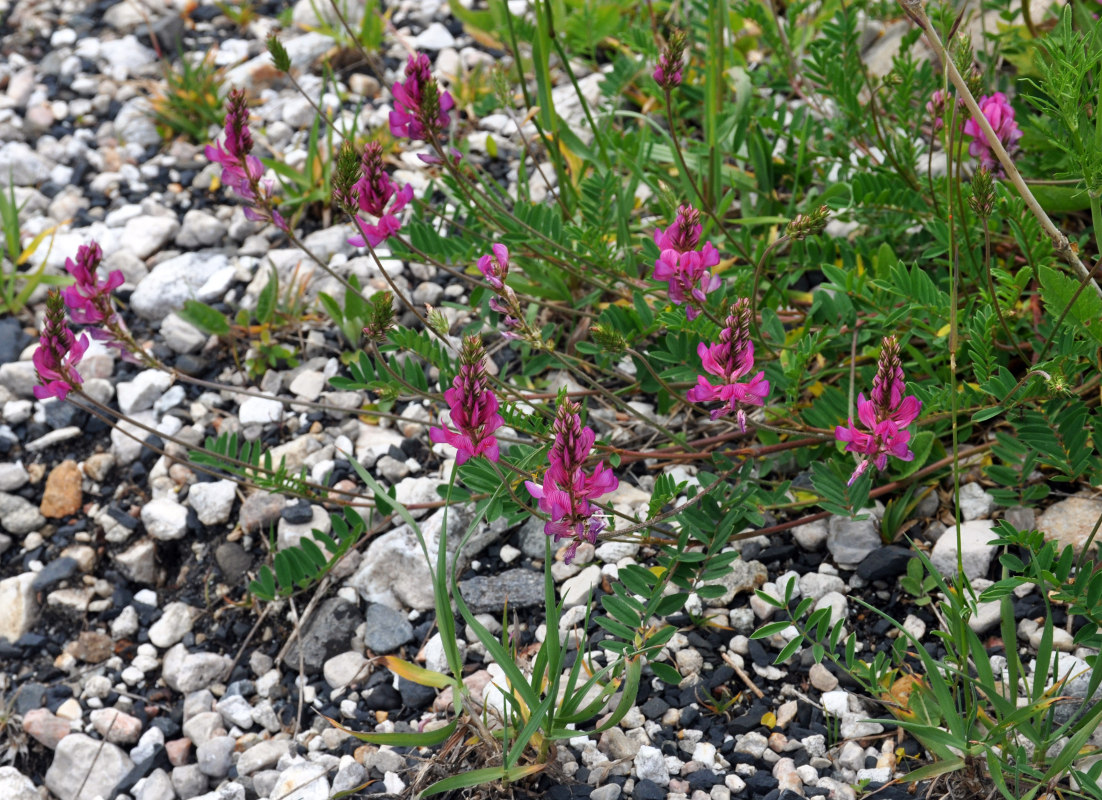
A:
(655, 303)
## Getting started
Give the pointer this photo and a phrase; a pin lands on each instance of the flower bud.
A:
(810, 224)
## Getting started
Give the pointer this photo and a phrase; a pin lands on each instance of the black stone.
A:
(414, 695)
(56, 571)
(885, 563)
(28, 697)
(383, 698)
(704, 779)
(647, 789)
(298, 513)
(12, 340)
(760, 783)
(689, 715)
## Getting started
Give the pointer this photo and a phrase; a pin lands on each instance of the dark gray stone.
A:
(386, 629)
(521, 588)
(328, 632)
(233, 561)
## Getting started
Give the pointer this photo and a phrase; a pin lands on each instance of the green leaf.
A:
(767, 630)
(666, 673)
(265, 304)
(205, 318)
(427, 739)
(479, 776)
(1057, 291)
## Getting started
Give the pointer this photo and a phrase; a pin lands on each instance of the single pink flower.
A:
(1000, 115)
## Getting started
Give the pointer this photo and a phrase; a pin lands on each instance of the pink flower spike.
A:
(882, 417)
(421, 109)
(729, 360)
(495, 267)
(58, 353)
(378, 195)
(566, 490)
(473, 408)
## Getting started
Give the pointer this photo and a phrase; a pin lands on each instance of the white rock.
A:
(975, 502)
(302, 782)
(14, 785)
(212, 501)
(144, 236)
(143, 391)
(576, 591)
(164, 519)
(260, 411)
(342, 669)
(200, 229)
(18, 606)
(434, 37)
(181, 336)
(81, 761)
(976, 553)
(173, 625)
(174, 281)
(22, 165)
(650, 764)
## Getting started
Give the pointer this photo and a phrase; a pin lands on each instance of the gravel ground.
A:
(121, 570)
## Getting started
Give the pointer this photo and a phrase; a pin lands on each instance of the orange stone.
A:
(63, 495)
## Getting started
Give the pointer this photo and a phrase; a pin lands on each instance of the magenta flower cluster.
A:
(421, 111)
(567, 490)
(1000, 114)
(58, 353)
(374, 191)
(473, 408)
(884, 416)
(729, 360)
(682, 265)
(241, 171)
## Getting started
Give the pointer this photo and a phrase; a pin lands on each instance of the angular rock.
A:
(975, 503)
(520, 588)
(850, 541)
(394, 571)
(14, 785)
(63, 495)
(262, 755)
(46, 727)
(115, 726)
(173, 282)
(18, 606)
(189, 672)
(164, 519)
(342, 669)
(81, 760)
(212, 501)
(261, 510)
(745, 576)
(173, 625)
(139, 562)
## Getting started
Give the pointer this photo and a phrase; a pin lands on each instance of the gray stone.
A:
(310, 15)
(343, 668)
(850, 540)
(172, 282)
(200, 229)
(14, 785)
(164, 519)
(520, 588)
(190, 672)
(233, 560)
(22, 166)
(975, 503)
(148, 743)
(326, 633)
(394, 571)
(158, 786)
(143, 236)
(189, 781)
(308, 384)
(235, 710)
(745, 576)
(173, 625)
(385, 629)
(818, 584)
(260, 510)
(212, 501)
(12, 477)
(215, 756)
(1078, 676)
(262, 755)
(181, 336)
(1069, 522)
(18, 606)
(19, 516)
(81, 760)
(811, 536)
(976, 554)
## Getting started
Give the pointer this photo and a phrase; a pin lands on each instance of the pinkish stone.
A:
(177, 751)
(115, 726)
(45, 727)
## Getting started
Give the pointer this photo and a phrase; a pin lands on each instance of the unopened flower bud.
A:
(668, 72)
(436, 319)
(345, 176)
(810, 224)
(982, 200)
(380, 316)
(608, 338)
(278, 53)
